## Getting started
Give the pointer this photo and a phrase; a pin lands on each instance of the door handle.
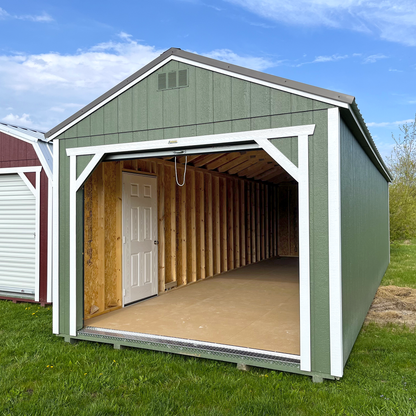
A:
(156, 242)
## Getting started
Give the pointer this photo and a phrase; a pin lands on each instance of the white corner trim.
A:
(55, 249)
(334, 242)
(73, 247)
(304, 254)
(49, 243)
(211, 139)
(37, 250)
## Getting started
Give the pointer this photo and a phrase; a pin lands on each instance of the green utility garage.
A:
(206, 209)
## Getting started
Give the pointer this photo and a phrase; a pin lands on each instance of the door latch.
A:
(156, 242)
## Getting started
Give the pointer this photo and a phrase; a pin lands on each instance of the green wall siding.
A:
(364, 234)
(213, 103)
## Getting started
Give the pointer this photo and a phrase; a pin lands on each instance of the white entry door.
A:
(139, 237)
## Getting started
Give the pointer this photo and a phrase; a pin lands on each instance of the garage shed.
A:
(25, 215)
(211, 210)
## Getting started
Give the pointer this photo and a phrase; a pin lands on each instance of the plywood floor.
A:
(256, 306)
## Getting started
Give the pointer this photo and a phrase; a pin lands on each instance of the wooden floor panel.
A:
(256, 306)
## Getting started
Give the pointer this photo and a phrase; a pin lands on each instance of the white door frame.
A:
(21, 171)
(262, 137)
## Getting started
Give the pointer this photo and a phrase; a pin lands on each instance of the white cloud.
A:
(395, 70)
(323, 59)
(390, 123)
(23, 120)
(253, 62)
(43, 18)
(392, 20)
(50, 87)
(374, 58)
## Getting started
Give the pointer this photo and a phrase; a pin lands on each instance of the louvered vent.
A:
(161, 82)
(173, 79)
(183, 78)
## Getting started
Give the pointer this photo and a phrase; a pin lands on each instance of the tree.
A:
(402, 165)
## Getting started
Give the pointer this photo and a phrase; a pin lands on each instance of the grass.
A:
(402, 269)
(43, 375)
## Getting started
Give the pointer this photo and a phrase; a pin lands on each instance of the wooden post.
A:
(217, 229)
(236, 213)
(243, 242)
(201, 224)
(209, 226)
(224, 230)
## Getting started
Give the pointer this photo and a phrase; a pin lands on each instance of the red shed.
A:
(25, 215)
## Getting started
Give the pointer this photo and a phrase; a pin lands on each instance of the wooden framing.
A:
(214, 223)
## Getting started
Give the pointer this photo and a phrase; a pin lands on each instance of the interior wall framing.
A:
(214, 223)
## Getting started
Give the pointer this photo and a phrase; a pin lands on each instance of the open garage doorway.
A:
(226, 246)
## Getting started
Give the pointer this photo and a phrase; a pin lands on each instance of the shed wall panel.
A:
(364, 234)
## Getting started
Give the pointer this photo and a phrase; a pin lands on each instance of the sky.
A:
(56, 57)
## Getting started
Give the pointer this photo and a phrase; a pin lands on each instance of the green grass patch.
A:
(402, 268)
(43, 375)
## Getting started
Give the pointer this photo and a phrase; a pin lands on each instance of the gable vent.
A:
(183, 78)
(173, 79)
(161, 82)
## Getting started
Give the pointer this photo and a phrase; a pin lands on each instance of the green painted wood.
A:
(125, 137)
(240, 100)
(299, 103)
(280, 102)
(222, 97)
(125, 113)
(72, 132)
(222, 127)
(172, 133)
(241, 125)
(365, 234)
(139, 106)
(260, 123)
(84, 127)
(110, 117)
(97, 122)
(289, 147)
(187, 98)
(154, 100)
(82, 162)
(260, 101)
(318, 105)
(204, 96)
(111, 138)
(187, 131)
(141, 136)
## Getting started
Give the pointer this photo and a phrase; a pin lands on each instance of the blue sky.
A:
(55, 57)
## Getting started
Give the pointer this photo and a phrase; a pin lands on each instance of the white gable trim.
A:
(203, 66)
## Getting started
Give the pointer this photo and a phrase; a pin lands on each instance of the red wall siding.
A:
(17, 153)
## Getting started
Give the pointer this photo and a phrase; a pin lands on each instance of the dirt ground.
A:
(393, 304)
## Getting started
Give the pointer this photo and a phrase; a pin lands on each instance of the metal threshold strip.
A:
(188, 344)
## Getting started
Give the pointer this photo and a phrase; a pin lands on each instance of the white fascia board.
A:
(203, 66)
(49, 244)
(260, 82)
(211, 139)
(43, 160)
(18, 135)
(37, 251)
(72, 248)
(334, 243)
(368, 142)
(110, 98)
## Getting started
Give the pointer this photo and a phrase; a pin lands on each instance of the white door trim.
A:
(301, 172)
(36, 193)
(55, 250)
